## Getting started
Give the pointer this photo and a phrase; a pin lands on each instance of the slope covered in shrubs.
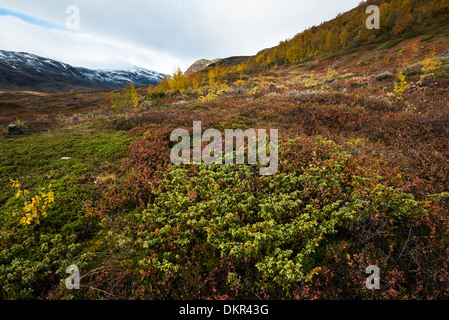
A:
(363, 180)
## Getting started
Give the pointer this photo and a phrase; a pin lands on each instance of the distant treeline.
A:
(399, 20)
(348, 30)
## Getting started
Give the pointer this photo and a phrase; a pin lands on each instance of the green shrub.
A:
(130, 99)
(227, 230)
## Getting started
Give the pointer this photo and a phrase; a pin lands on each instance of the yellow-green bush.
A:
(130, 99)
(34, 207)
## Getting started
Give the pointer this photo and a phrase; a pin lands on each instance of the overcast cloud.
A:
(157, 34)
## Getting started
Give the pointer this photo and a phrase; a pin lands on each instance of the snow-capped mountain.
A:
(25, 71)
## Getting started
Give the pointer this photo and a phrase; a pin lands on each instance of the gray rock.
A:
(13, 130)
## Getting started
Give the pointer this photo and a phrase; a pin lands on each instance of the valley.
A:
(362, 178)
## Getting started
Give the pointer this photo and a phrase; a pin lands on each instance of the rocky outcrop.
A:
(200, 65)
(226, 62)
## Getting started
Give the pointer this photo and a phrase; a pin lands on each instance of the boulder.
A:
(13, 130)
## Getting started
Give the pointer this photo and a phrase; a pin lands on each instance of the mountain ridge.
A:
(27, 71)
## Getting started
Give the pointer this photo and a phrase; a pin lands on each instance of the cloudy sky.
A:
(156, 34)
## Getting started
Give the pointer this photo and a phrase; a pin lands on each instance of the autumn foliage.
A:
(363, 178)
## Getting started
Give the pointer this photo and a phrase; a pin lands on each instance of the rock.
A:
(66, 158)
(444, 54)
(13, 130)
(200, 65)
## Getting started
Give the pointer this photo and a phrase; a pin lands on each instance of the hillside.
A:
(28, 72)
(362, 177)
(399, 20)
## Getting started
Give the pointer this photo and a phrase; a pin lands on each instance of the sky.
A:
(155, 34)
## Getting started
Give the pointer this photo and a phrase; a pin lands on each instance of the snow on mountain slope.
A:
(25, 71)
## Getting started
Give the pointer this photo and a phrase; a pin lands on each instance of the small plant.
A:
(18, 122)
(431, 63)
(209, 97)
(331, 73)
(107, 99)
(310, 82)
(254, 91)
(118, 101)
(156, 95)
(35, 207)
(401, 86)
(239, 83)
(134, 97)
(130, 98)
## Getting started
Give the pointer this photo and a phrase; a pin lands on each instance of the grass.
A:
(35, 160)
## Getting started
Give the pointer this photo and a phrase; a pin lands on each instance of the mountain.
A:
(200, 65)
(204, 64)
(25, 71)
(400, 20)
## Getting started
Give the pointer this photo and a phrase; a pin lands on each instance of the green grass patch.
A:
(34, 258)
(31, 158)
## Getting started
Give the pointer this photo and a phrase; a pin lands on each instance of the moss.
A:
(35, 160)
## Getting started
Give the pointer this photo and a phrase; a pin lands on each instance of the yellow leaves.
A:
(29, 207)
(50, 197)
(431, 63)
(15, 183)
(331, 73)
(401, 86)
(18, 194)
(30, 219)
(310, 82)
(36, 207)
(239, 83)
(313, 273)
(215, 76)
(135, 99)
(240, 68)
(129, 99)
(179, 81)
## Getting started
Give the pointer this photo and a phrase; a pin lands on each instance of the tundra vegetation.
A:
(363, 179)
